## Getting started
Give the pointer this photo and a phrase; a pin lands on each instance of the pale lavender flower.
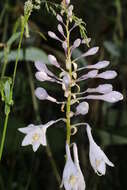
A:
(36, 134)
(54, 36)
(107, 75)
(102, 88)
(110, 97)
(91, 51)
(72, 177)
(59, 18)
(98, 159)
(60, 29)
(81, 182)
(67, 2)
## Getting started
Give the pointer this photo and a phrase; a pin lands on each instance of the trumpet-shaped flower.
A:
(72, 178)
(98, 159)
(35, 135)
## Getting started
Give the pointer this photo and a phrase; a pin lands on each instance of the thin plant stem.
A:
(68, 107)
(5, 61)
(4, 135)
(24, 21)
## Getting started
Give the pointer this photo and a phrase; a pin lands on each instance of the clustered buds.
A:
(69, 79)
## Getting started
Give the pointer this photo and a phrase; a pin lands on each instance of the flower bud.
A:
(59, 18)
(77, 43)
(60, 29)
(99, 65)
(103, 88)
(82, 108)
(107, 75)
(53, 61)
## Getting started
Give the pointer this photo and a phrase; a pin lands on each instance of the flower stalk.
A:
(68, 65)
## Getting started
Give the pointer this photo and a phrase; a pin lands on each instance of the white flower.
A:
(72, 178)
(98, 159)
(81, 182)
(35, 135)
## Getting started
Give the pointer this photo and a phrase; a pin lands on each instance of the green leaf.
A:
(13, 38)
(76, 53)
(111, 139)
(31, 54)
(7, 91)
(3, 86)
(112, 48)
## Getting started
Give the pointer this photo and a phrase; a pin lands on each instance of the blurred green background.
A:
(20, 168)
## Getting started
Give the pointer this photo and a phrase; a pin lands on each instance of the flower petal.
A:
(27, 140)
(28, 129)
(36, 145)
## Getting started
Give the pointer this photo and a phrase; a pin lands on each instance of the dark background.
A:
(21, 169)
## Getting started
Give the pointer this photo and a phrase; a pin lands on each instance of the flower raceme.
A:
(69, 79)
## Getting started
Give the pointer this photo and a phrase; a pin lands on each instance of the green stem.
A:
(24, 21)
(68, 61)
(4, 135)
(5, 61)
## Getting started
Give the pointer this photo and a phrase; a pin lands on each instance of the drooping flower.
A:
(72, 176)
(98, 159)
(36, 134)
(81, 182)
